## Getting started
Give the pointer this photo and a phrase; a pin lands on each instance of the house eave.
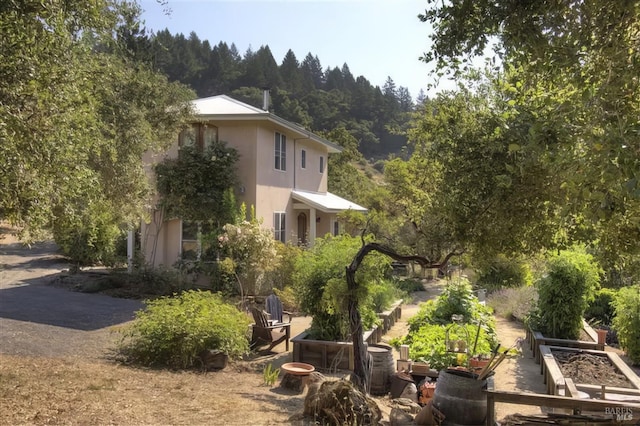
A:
(300, 132)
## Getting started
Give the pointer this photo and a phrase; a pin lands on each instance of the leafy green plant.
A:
(320, 282)
(173, 331)
(600, 310)
(564, 293)
(408, 285)
(428, 328)
(626, 321)
(501, 271)
(197, 184)
(250, 252)
(456, 299)
(428, 343)
(89, 237)
(270, 375)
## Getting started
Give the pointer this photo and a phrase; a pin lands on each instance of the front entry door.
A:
(302, 228)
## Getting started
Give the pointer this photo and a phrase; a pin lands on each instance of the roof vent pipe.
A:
(265, 99)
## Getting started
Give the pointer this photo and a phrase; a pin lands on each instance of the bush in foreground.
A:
(627, 321)
(173, 331)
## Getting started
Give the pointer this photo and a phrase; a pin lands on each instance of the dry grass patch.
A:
(65, 391)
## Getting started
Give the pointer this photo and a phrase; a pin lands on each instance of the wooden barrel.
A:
(460, 398)
(381, 368)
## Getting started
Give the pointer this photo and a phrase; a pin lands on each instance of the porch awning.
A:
(325, 201)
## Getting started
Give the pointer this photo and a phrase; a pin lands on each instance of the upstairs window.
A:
(198, 135)
(281, 151)
(278, 226)
(303, 159)
(321, 164)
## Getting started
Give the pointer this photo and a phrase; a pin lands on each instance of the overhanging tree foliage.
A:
(574, 65)
(77, 111)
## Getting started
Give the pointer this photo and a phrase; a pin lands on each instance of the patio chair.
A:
(268, 332)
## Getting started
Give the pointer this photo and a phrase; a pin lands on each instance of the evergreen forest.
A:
(302, 92)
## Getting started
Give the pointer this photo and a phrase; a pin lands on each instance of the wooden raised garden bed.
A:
(589, 371)
(536, 339)
(331, 355)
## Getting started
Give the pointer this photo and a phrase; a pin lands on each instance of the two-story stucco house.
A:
(282, 172)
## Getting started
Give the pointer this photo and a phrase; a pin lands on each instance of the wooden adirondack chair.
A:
(268, 332)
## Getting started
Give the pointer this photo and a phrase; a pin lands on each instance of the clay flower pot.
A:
(477, 363)
(602, 336)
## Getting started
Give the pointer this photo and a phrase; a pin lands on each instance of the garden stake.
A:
(496, 364)
(475, 343)
(486, 367)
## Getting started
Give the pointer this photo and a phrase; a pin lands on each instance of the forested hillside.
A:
(301, 91)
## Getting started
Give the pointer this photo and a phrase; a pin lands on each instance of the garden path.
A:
(518, 374)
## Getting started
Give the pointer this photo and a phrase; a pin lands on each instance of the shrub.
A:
(173, 331)
(408, 285)
(501, 272)
(89, 238)
(320, 282)
(626, 321)
(456, 299)
(514, 303)
(564, 293)
(428, 344)
(600, 310)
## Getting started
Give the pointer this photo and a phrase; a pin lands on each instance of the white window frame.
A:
(321, 164)
(280, 151)
(335, 228)
(280, 226)
(303, 159)
(197, 241)
(199, 132)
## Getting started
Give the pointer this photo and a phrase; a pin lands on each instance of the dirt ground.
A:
(60, 371)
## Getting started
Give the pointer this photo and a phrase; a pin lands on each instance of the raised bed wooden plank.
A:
(571, 390)
(327, 354)
(593, 389)
(558, 402)
(553, 376)
(615, 360)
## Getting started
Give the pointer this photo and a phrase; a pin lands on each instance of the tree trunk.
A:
(361, 370)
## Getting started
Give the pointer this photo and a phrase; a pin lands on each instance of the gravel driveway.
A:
(42, 320)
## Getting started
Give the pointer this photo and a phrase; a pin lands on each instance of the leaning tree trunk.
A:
(361, 370)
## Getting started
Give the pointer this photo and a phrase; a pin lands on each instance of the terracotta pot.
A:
(602, 336)
(475, 363)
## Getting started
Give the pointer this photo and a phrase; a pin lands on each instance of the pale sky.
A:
(376, 38)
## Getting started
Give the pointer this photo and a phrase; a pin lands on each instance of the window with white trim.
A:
(336, 228)
(321, 164)
(279, 226)
(193, 245)
(198, 135)
(303, 159)
(280, 151)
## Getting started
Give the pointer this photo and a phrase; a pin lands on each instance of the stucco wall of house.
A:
(260, 184)
(161, 241)
(310, 178)
(242, 136)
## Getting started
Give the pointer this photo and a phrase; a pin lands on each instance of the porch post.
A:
(312, 226)
(130, 246)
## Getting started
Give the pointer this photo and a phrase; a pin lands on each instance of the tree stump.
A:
(294, 382)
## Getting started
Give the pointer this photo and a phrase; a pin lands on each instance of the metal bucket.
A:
(460, 397)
